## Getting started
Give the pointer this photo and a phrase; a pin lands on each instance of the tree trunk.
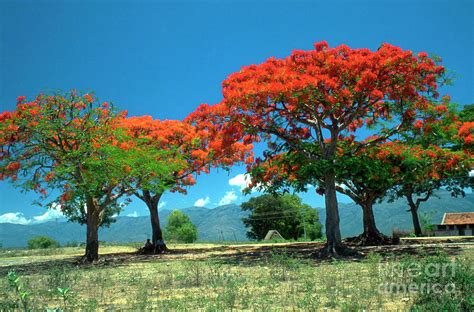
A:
(157, 234)
(371, 235)
(333, 233)
(414, 215)
(370, 229)
(92, 239)
(152, 202)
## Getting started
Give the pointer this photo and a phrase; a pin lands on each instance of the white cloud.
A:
(19, 217)
(471, 173)
(133, 214)
(14, 217)
(228, 198)
(201, 202)
(241, 180)
(49, 215)
(162, 204)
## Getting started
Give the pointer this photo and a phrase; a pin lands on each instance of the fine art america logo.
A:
(416, 278)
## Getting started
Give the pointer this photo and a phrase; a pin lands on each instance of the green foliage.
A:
(285, 213)
(66, 146)
(180, 228)
(42, 242)
(467, 113)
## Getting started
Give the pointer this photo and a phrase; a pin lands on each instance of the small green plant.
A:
(15, 284)
(65, 294)
(194, 273)
(282, 265)
(42, 242)
(228, 294)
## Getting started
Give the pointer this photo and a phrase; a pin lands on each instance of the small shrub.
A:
(42, 242)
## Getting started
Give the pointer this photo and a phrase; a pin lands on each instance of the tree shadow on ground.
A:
(246, 255)
(309, 252)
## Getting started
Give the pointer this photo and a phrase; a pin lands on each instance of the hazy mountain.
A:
(224, 222)
(213, 224)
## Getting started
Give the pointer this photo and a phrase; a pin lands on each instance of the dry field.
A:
(206, 277)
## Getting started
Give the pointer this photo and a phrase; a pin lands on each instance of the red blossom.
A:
(418, 124)
(88, 98)
(20, 99)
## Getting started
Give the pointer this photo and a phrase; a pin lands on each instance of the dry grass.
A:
(210, 278)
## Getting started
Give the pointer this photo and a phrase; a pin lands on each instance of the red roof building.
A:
(456, 224)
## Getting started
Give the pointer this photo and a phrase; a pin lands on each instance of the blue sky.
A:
(165, 58)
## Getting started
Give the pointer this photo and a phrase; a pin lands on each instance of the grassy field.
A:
(209, 277)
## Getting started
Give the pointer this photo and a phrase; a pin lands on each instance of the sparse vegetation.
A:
(245, 277)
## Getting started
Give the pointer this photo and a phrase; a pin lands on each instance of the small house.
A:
(456, 224)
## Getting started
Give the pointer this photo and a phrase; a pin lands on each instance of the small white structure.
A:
(273, 234)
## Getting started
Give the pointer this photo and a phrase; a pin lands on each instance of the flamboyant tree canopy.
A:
(325, 94)
(64, 146)
(309, 101)
(422, 170)
(189, 151)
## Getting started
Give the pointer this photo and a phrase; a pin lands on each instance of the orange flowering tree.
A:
(422, 170)
(186, 151)
(64, 147)
(466, 134)
(441, 150)
(309, 101)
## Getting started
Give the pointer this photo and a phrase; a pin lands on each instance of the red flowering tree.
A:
(64, 145)
(186, 151)
(309, 101)
(435, 153)
(466, 134)
(425, 170)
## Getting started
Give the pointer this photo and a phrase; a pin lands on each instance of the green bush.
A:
(285, 213)
(42, 242)
(180, 228)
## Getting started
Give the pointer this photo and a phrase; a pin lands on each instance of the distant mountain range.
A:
(224, 222)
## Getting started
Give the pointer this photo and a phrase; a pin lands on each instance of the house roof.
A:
(458, 218)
